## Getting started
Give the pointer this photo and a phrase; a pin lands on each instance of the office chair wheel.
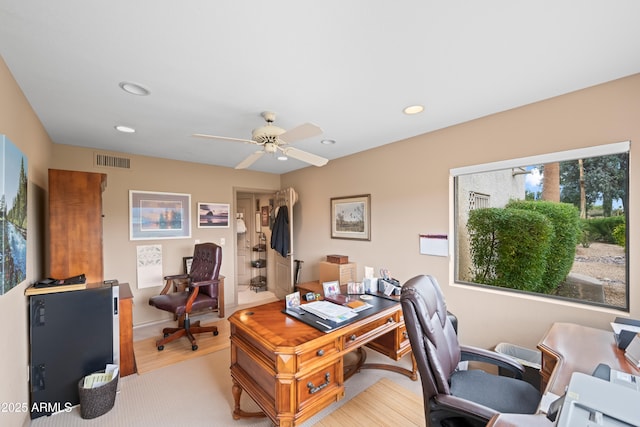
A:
(215, 333)
(160, 347)
(194, 347)
(165, 335)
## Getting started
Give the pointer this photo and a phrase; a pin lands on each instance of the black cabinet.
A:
(71, 335)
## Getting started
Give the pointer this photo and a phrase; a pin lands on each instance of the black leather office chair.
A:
(454, 397)
(203, 291)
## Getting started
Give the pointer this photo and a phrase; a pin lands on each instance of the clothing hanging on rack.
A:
(281, 232)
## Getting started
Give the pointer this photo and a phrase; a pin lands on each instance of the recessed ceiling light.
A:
(125, 129)
(134, 89)
(328, 141)
(413, 109)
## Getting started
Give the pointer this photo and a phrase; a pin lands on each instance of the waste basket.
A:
(98, 400)
(529, 358)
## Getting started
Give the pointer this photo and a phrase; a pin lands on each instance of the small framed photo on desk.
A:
(331, 289)
(293, 300)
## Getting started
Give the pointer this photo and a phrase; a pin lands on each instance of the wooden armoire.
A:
(75, 224)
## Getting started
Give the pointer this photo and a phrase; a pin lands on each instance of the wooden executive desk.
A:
(569, 348)
(293, 370)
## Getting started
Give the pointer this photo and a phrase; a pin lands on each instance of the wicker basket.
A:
(99, 400)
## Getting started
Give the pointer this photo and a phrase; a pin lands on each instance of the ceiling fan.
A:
(273, 139)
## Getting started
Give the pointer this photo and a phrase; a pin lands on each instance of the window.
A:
(554, 225)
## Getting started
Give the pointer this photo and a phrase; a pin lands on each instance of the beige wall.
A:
(20, 124)
(410, 194)
(204, 183)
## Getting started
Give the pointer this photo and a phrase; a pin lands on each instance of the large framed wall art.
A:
(154, 215)
(13, 215)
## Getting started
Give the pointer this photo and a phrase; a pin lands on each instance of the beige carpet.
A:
(197, 393)
(383, 404)
(148, 358)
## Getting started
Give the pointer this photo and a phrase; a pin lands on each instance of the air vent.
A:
(108, 161)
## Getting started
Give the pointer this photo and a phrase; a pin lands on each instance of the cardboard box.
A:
(343, 273)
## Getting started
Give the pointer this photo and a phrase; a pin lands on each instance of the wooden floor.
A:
(383, 404)
(149, 358)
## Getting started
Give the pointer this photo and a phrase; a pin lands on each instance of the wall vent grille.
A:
(108, 161)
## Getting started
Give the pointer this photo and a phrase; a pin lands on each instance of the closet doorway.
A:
(248, 270)
(259, 213)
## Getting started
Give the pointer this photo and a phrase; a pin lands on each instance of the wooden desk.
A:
(567, 348)
(292, 370)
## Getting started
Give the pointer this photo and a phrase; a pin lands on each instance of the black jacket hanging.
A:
(280, 232)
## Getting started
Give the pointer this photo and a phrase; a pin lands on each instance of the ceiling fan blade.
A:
(250, 160)
(303, 131)
(305, 156)
(204, 135)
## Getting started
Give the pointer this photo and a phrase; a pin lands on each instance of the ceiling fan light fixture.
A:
(282, 158)
(134, 89)
(125, 129)
(413, 109)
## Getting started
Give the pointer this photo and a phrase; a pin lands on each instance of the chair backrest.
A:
(433, 339)
(207, 258)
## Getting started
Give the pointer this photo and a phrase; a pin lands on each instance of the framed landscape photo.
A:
(213, 215)
(351, 217)
(154, 215)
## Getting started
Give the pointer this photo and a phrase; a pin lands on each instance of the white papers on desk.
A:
(632, 352)
(329, 311)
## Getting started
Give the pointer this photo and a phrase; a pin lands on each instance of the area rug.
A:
(383, 404)
(148, 358)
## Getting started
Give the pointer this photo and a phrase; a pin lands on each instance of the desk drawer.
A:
(317, 355)
(363, 334)
(319, 385)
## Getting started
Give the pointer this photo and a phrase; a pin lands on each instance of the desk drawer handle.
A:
(353, 337)
(313, 389)
(320, 352)
(405, 335)
(390, 320)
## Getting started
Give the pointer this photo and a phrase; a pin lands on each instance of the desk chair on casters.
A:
(203, 291)
(454, 397)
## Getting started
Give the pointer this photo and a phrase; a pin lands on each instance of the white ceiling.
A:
(349, 66)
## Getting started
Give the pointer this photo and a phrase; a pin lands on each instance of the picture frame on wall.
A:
(351, 217)
(213, 215)
(186, 263)
(156, 215)
(13, 230)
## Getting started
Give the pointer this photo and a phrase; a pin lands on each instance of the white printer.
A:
(591, 401)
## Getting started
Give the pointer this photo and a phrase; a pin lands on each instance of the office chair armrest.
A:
(169, 282)
(465, 407)
(176, 277)
(204, 283)
(498, 359)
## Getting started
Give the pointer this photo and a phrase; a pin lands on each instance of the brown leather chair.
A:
(455, 397)
(203, 291)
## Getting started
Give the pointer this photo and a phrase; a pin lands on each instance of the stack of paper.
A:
(632, 353)
(98, 379)
(329, 311)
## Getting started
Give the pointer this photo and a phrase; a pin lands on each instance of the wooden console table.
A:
(293, 370)
(569, 348)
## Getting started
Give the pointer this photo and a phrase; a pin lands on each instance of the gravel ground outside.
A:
(606, 263)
